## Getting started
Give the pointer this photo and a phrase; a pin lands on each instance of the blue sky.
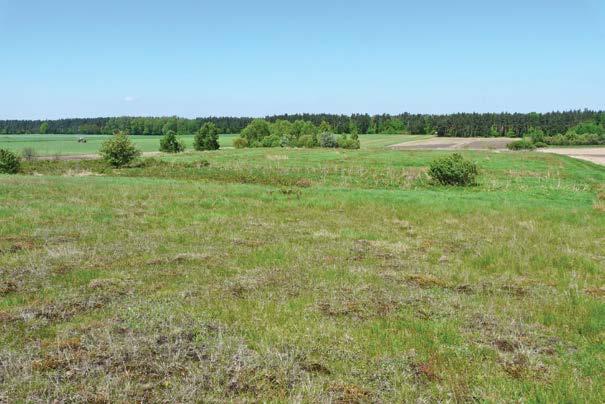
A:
(253, 58)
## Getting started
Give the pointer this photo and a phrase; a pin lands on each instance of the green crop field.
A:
(62, 145)
(273, 275)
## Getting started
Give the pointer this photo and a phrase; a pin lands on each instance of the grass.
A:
(303, 275)
(61, 145)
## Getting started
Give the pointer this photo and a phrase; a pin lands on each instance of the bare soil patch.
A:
(456, 143)
(594, 154)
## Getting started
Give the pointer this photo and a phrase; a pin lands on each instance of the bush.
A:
(240, 143)
(540, 144)
(588, 128)
(28, 153)
(207, 137)
(521, 145)
(306, 141)
(256, 131)
(536, 135)
(170, 144)
(271, 141)
(119, 150)
(345, 143)
(9, 162)
(327, 140)
(453, 170)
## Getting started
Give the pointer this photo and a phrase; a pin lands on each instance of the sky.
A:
(68, 58)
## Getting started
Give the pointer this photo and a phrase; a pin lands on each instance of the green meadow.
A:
(305, 275)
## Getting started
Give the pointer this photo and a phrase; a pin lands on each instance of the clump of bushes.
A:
(119, 150)
(586, 133)
(9, 162)
(170, 144)
(207, 137)
(300, 133)
(453, 170)
(522, 144)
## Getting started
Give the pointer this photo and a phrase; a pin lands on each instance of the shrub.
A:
(306, 141)
(281, 127)
(256, 131)
(9, 162)
(301, 128)
(119, 151)
(170, 144)
(536, 135)
(540, 144)
(28, 153)
(588, 128)
(240, 143)
(207, 137)
(346, 143)
(453, 170)
(271, 141)
(521, 145)
(327, 139)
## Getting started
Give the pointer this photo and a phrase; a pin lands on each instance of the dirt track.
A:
(455, 143)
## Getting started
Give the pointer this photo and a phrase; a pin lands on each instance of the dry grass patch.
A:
(361, 303)
(282, 283)
(599, 204)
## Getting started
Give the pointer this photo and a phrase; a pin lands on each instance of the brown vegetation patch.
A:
(425, 281)
(67, 307)
(303, 183)
(14, 244)
(380, 249)
(276, 279)
(361, 304)
(596, 291)
(506, 345)
(314, 367)
(514, 340)
(518, 367)
(7, 287)
(6, 317)
(345, 393)
(426, 370)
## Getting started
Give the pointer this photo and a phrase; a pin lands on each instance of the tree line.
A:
(459, 124)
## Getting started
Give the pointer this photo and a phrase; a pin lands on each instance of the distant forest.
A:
(461, 124)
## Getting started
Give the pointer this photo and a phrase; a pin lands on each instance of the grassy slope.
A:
(364, 282)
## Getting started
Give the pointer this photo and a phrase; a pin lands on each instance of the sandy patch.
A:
(594, 154)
